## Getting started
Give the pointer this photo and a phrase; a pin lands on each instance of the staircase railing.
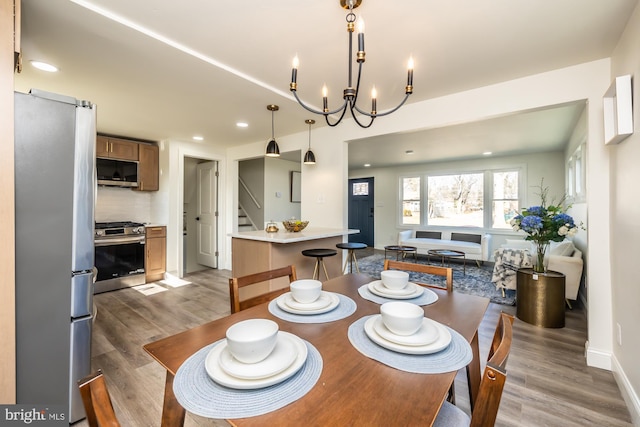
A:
(249, 193)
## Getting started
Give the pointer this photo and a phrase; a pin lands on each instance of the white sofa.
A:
(475, 246)
(562, 257)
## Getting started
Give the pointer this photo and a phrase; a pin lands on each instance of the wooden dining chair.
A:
(96, 400)
(422, 268)
(236, 283)
(486, 407)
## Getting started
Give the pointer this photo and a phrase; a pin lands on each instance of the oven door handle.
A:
(119, 241)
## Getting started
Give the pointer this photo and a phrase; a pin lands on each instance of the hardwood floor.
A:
(548, 381)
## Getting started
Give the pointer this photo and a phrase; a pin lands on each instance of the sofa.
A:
(562, 257)
(475, 246)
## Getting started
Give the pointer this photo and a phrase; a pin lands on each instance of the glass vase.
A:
(541, 250)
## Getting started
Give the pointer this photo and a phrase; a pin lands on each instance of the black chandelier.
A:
(350, 94)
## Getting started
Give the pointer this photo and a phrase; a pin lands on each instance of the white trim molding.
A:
(628, 393)
(597, 358)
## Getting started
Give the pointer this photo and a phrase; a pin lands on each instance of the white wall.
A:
(534, 167)
(625, 230)
(277, 200)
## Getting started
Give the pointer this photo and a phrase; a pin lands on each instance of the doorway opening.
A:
(361, 210)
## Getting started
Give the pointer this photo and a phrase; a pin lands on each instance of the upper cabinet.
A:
(115, 148)
(148, 167)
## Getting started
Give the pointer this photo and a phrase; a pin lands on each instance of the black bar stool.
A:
(351, 255)
(319, 254)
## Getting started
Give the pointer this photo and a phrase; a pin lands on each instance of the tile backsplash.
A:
(122, 204)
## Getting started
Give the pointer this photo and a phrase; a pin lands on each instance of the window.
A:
(576, 175)
(411, 200)
(505, 198)
(487, 199)
(456, 200)
(360, 189)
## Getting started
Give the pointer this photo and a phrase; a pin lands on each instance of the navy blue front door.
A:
(361, 210)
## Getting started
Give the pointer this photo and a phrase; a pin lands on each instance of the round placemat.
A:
(202, 396)
(427, 297)
(346, 307)
(456, 356)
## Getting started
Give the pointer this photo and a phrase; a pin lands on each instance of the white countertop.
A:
(284, 236)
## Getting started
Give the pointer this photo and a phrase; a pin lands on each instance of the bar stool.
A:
(319, 254)
(351, 255)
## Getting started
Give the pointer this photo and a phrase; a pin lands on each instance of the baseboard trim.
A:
(628, 393)
(597, 358)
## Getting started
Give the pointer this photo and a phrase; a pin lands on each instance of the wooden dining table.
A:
(352, 389)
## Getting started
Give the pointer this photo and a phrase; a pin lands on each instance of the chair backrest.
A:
(422, 268)
(236, 283)
(96, 400)
(494, 376)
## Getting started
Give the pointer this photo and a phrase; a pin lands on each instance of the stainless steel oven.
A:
(119, 255)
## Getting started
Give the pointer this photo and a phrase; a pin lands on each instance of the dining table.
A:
(352, 389)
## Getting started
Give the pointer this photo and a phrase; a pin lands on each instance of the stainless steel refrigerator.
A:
(55, 187)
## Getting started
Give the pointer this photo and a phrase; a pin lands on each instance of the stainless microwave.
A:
(117, 173)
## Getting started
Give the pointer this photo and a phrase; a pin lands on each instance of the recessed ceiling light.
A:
(44, 66)
(366, 165)
(242, 125)
(198, 138)
(408, 152)
(487, 153)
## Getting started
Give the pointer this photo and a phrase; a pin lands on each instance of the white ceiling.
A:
(169, 70)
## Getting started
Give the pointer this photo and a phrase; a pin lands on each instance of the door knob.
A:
(197, 218)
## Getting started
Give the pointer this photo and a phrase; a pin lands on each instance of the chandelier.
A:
(350, 94)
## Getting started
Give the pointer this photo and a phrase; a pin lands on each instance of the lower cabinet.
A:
(156, 257)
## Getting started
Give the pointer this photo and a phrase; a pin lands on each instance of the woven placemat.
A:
(200, 395)
(427, 297)
(346, 307)
(456, 356)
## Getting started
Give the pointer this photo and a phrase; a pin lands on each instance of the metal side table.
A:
(540, 298)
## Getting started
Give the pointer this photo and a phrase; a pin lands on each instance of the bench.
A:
(475, 246)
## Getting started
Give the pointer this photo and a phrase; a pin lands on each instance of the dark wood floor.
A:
(548, 381)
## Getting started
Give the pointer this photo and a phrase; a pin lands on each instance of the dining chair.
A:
(236, 283)
(486, 407)
(96, 400)
(422, 268)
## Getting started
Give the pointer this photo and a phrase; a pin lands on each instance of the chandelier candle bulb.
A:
(361, 35)
(325, 106)
(294, 70)
(374, 95)
(410, 72)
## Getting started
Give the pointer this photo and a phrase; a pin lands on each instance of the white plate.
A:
(212, 366)
(281, 302)
(323, 301)
(411, 291)
(427, 334)
(280, 359)
(444, 339)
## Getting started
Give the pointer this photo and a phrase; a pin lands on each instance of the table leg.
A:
(473, 372)
(172, 412)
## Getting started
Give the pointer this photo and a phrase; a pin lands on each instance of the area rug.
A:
(476, 281)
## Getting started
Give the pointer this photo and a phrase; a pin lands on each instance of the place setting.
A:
(306, 302)
(256, 369)
(403, 338)
(395, 285)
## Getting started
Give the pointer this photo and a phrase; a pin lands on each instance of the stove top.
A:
(118, 224)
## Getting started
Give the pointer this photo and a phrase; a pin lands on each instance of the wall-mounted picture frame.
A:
(296, 187)
(618, 110)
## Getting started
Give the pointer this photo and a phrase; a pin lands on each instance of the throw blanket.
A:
(508, 261)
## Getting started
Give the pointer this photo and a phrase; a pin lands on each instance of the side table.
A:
(540, 298)
(401, 250)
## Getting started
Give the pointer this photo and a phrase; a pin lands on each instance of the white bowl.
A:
(251, 341)
(305, 291)
(394, 279)
(402, 318)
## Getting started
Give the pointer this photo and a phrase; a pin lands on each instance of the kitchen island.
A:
(256, 251)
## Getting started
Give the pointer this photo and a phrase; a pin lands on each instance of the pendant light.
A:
(272, 147)
(309, 157)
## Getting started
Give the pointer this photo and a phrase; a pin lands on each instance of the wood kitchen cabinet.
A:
(155, 263)
(116, 148)
(148, 167)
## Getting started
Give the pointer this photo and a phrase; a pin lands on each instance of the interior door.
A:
(361, 216)
(207, 213)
